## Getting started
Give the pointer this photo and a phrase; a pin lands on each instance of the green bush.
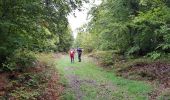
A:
(154, 55)
(19, 61)
(106, 58)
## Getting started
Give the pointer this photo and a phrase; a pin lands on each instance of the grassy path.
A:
(86, 81)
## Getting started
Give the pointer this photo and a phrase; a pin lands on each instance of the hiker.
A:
(72, 52)
(79, 51)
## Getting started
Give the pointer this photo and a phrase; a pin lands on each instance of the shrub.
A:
(19, 61)
(106, 58)
(154, 55)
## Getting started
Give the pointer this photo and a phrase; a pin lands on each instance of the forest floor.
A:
(87, 81)
(38, 83)
(56, 78)
(157, 73)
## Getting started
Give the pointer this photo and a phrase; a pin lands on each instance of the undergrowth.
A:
(150, 68)
(31, 83)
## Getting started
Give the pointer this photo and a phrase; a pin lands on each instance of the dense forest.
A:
(129, 27)
(33, 26)
(29, 28)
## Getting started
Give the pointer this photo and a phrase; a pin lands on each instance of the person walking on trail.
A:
(72, 52)
(79, 51)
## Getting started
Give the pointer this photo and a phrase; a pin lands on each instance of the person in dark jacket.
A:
(79, 51)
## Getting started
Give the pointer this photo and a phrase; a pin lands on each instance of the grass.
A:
(68, 95)
(46, 58)
(124, 89)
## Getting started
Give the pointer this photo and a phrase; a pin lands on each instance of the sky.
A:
(80, 17)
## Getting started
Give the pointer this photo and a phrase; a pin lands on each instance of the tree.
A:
(34, 25)
(132, 27)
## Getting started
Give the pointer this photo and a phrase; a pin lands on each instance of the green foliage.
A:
(20, 60)
(68, 95)
(105, 57)
(34, 25)
(132, 27)
(154, 55)
(133, 50)
(85, 41)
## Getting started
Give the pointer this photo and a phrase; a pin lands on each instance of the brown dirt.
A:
(51, 91)
(3, 83)
(75, 84)
(155, 71)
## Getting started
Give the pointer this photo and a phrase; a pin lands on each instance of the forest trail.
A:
(86, 81)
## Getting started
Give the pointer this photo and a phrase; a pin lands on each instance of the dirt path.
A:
(75, 84)
(86, 81)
